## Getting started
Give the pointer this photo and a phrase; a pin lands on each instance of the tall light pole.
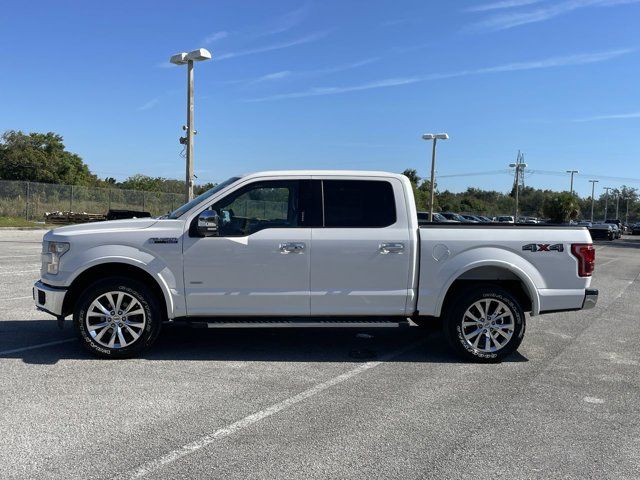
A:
(606, 201)
(617, 204)
(626, 216)
(519, 166)
(435, 138)
(572, 172)
(188, 59)
(593, 191)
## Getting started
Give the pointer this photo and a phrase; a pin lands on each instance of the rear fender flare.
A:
(525, 278)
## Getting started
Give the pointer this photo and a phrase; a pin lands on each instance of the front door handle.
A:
(386, 248)
(292, 247)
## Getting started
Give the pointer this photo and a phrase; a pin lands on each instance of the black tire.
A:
(454, 330)
(149, 303)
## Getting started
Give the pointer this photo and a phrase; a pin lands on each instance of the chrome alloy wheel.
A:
(488, 325)
(115, 319)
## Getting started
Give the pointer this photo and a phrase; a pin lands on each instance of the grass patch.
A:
(19, 222)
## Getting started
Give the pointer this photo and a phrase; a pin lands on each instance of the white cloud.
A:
(272, 76)
(304, 73)
(552, 62)
(504, 4)
(578, 59)
(339, 68)
(614, 116)
(317, 91)
(274, 46)
(214, 37)
(504, 21)
(150, 104)
(288, 21)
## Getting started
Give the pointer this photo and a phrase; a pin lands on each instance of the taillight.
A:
(586, 255)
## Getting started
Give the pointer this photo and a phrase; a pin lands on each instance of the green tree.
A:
(41, 157)
(421, 190)
(561, 207)
(152, 184)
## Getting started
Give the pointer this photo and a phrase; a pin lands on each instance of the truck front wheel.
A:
(484, 324)
(117, 317)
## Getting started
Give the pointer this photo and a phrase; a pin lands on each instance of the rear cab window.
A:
(358, 203)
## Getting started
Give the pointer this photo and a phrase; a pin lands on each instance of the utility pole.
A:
(519, 165)
(617, 203)
(435, 138)
(188, 59)
(606, 202)
(626, 216)
(593, 200)
(572, 172)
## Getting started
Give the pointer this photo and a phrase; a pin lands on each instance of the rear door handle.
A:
(386, 248)
(292, 247)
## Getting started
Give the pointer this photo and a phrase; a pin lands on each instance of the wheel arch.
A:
(114, 268)
(503, 274)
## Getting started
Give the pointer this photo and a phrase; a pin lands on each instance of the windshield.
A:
(201, 198)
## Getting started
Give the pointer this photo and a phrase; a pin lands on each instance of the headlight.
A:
(51, 253)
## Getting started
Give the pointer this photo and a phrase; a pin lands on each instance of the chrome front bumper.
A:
(590, 298)
(49, 299)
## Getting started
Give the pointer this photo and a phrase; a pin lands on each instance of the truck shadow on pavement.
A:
(177, 342)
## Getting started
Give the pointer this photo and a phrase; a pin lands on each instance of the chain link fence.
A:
(30, 200)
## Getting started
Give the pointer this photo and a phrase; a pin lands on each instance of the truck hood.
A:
(125, 224)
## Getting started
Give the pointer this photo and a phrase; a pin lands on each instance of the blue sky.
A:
(334, 84)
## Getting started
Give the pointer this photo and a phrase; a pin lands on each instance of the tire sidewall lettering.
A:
(518, 321)
(148, 335)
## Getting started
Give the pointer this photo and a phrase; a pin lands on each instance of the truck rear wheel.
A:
(117, 318)
(484, 324)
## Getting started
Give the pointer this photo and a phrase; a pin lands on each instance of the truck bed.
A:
(536, 255)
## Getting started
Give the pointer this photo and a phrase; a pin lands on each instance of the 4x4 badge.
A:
(543, 247)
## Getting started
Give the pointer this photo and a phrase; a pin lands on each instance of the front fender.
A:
(123, 254)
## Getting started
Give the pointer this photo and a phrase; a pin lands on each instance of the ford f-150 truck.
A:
(338, 248)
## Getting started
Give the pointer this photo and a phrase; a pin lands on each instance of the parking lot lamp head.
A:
(435, 138)
(179, 58)
(199, 55)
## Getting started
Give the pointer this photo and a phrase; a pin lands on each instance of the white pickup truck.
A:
(337, 248)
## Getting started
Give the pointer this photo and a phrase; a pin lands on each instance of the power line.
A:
(475, 174)
(584, 175)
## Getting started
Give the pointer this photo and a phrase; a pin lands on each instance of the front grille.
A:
(42, 297)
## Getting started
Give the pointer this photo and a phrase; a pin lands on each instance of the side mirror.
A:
(208, 222)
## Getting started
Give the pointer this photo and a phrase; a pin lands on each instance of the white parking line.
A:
(40, 345)
(15, 298)
(249, 420)
(20, 256)
(606, 263)
(629, 283)
(21, 271)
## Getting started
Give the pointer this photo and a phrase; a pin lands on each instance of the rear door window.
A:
(358, 203)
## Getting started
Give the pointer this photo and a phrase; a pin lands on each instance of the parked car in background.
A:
(635, 229)
(616, 230)
(602, 231)
(471, 218)
(585, 223)
(457, 217)
(437, 217)
(484, 219)
(505, 219)
(618, 224)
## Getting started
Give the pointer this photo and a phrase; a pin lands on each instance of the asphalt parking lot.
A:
(251, 404)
